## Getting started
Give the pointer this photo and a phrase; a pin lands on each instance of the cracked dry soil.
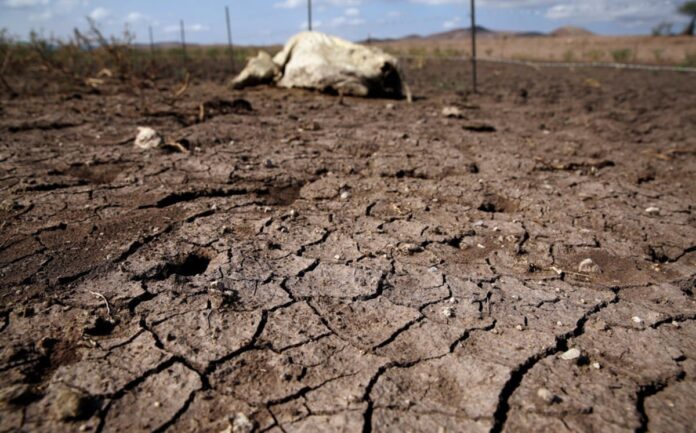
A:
(358, 266)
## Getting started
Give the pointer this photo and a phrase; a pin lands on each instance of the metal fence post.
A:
(309, 14)
(230, 48)
(473, 45)
(183, 41)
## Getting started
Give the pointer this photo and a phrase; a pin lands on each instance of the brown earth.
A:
(318, 264)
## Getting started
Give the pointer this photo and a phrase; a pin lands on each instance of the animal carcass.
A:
(312, 60)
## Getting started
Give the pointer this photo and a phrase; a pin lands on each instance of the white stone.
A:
(571, 354)
(452, 112)
(242, 424)
(546, 395)
(652, 210)
(588, 266)
(147, 138)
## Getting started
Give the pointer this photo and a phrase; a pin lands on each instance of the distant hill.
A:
(461, 33)
(571, 31)
(458, 34)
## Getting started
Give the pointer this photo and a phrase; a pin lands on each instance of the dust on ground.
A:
(315, 263)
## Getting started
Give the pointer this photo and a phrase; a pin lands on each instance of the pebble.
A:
(652, 210)
(448, 312)
(242, 424)
(147, 138)
(70, 404)
(588, 266)
(519, 327)
(546, 395)
(596, 365)
(571, 354)
(637, 320)
(345, 195)
(410, 248)
(452, 112)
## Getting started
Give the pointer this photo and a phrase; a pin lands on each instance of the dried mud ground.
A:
(359, 266)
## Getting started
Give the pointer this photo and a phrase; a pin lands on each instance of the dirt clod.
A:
(70, 405)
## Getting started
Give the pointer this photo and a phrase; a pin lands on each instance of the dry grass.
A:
(624, 49)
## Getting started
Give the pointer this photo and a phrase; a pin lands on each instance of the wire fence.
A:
(472, 57)
(565, 65)
(91, 51)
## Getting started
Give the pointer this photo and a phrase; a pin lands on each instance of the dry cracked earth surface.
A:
(315, 264)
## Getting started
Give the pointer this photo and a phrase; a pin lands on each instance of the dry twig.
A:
(106, 302)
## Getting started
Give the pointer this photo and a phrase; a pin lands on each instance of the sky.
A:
(273, 21)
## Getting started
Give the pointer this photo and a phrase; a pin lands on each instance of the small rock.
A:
(70, 404)
(410, 248)
(519, 327)
(637, 320)
(547, 396)
(148, 138)
(571, 354)
(596, 365)
(452, 112)
(242, 424)
(268, 163)
(448, 312)
(652, 210)
(389, 106)
(588, 266)
(345, 195)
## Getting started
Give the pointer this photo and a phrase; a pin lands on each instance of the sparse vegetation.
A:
(663, 29)
(658, 54)
(690, 60)
(594, 55)
(569, 56)
(622, 55)
(689, 9)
